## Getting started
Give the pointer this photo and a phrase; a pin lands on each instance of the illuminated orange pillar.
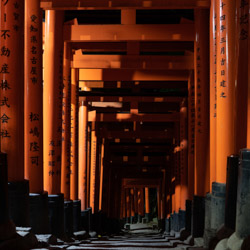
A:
(82, 154)
(88, 165)
(136, 200)
(147, 208)
(12, 87)
(101, 174)
(225, 138)
(183, 156)
(52, 100)
(201, 55)
(140, 202)
(242, 70)
(33, 101)
(177, 186)
(213, 92)
(132, 203)
(66, 120)
(93, 168)
(74, 134)
(191, 135)
(128, 212)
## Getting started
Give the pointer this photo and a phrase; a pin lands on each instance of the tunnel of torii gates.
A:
(96, 115)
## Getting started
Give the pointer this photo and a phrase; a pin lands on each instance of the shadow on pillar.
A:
(39, 213)
(198, 216)
(19, 203)
(56, 214)
(7, 228)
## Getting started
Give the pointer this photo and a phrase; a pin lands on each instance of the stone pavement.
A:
(138, 237)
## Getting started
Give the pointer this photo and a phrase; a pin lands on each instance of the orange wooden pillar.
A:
(82, 154)
(136, 203)
(201, 179)
(225, 138)
(74, 134)
(88, 165)
(101, 174)
(242, 70)
(147, 206)
(191, 134)
(183, 156)
(33, 102)
(12, 106)
(66, 120)
(132, 205)
(213, 92)
(33, 114)
(140, 196)
(93, 168)
(12, 87)
(52, 99)
(52, 122)
(128, 206)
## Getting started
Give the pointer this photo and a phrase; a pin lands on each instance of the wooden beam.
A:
(118, 4)
(136, 134)
(138, 32)
(102, 117)
(145, 46)
(132, 62)
(132, 75)
(141, 182)
(130, 99)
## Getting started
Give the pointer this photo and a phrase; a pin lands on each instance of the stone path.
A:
(139, 237)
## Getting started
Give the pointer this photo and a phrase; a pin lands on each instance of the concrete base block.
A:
(56, 214)
(182, 219)
(139, 218)
(68, 218)
(167, 225)
(85, 220)
(39, 213)
(19, 203)
(198, 216)
(77, 215)
(147, 217)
